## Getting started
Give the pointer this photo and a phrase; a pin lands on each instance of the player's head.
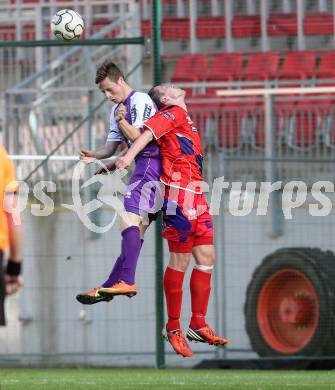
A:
(111, 82)
(167, 95)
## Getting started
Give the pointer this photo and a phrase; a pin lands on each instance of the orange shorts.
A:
(186, 220)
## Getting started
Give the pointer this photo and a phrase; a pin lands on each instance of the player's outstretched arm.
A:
(108, 150)
(140, 143)
(110, 165)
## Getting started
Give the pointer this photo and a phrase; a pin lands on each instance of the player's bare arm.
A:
(140, 143)
(129, 131)
(108, 150)
(13, 278)
(110, 166)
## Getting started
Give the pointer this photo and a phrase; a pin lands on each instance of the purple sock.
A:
(131, 247)
(114, 276)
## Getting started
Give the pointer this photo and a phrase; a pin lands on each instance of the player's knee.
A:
(208, 260)
(129, 219)
(143, 229)
(204, 256)
(211, 259)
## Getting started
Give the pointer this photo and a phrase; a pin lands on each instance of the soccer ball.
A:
(67, 25)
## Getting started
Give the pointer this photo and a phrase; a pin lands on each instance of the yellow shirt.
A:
(8, 183)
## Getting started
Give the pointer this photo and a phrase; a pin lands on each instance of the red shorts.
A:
(186, 220)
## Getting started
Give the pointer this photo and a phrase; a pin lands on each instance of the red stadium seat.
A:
(256, 127)
(29, 32)
(255, 130)
(36, 1)
(282, 24)
(7, 33)
(298, 65)
(26, 1)
(319, 23)
(246, 26)
(97, 25)
(146, 28)
(230, 129)
(261, 66)
(258, 130)
(223, 123)
(304, 132)
(225, 67)
(326, 68)
(201, 112)
(190, 68)
(232, 123)
(176, 28)
(211, 27)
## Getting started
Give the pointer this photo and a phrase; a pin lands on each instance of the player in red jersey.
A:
(188, 226)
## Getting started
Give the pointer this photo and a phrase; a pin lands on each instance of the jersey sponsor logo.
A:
(133, 114)
(147, 111)
(168, 115)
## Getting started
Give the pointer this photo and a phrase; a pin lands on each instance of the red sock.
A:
(200, 285)
(173, 287)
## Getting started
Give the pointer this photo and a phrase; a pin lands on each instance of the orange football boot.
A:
(119, 288)
(178, 342)
(91, 297)
(205, 335)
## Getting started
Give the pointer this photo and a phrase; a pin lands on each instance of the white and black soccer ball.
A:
(67, 25)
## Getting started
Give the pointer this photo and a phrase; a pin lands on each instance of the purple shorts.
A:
(144, 194)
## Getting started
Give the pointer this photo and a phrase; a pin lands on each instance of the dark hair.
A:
(156, 97)
(108, 69)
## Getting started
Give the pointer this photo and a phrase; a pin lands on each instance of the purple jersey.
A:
(140, 194)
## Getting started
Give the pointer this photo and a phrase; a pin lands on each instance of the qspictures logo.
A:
(241, 199)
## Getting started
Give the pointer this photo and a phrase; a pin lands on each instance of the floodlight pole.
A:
(157, 75)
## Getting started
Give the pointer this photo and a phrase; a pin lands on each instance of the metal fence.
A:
(62, 257)
(255, 137)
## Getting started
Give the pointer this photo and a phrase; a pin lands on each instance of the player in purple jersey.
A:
(130, 111)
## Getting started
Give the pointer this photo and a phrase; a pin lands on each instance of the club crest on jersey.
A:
(147, 111)
(168, 115)
(133, 114)
(192, 214)
(191, 123)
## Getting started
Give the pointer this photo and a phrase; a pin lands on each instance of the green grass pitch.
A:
(135, 379)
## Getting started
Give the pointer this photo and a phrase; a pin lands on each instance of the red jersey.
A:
(180, 147)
